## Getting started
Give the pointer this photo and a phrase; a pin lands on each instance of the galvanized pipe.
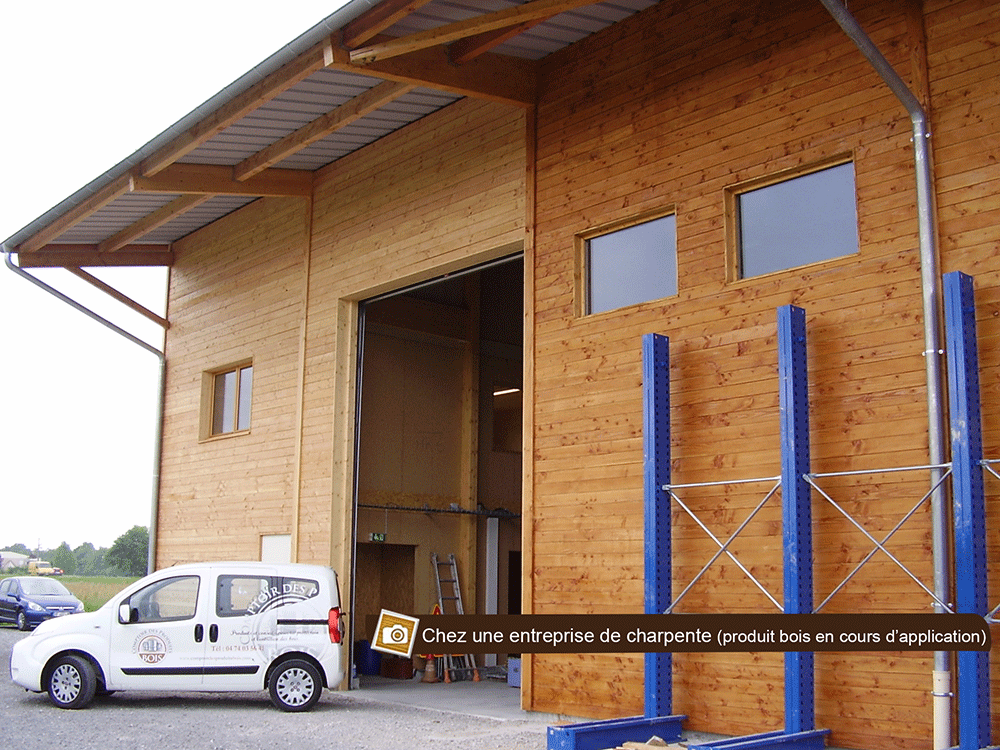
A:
(931, 292)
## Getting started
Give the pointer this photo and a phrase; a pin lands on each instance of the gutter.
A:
(931, 291)
(158, 440)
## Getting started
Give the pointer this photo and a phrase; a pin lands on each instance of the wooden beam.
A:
(452, 32)
(472, 47)
(127, 301)
(319, 128)
(210, 179)
(96, 202)
(282, 79)
(87, 255)
(378, 19)
(147, 224)
(498, 78)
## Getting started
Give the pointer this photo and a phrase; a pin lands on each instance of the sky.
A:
(84, 86)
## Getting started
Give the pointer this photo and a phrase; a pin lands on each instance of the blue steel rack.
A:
(969, 530)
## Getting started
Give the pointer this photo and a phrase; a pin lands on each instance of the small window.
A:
(231, 391)
(628, 263)
(806, 219)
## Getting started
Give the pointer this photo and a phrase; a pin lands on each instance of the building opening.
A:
(438, 469)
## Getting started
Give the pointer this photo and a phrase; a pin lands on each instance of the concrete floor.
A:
(491, 699)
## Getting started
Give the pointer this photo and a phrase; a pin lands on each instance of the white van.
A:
(213, 627)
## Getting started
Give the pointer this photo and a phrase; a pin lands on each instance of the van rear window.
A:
(242, 595)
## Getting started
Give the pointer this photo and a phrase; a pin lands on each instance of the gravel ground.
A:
(244, 721)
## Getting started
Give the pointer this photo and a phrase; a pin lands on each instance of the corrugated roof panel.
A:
(116, 216)
(198, 217)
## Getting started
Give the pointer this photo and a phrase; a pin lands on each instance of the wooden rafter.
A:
(499, 78)
(127, 301)
(281, 80)
(452, 32)
(472, 47)
(376, 20)
(87, 255)
(147, 224)
(210, 179)
(76, 214)
(319, 128)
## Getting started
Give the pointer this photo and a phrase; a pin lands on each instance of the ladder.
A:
(461, 666)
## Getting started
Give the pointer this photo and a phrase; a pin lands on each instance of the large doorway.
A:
(439, 450)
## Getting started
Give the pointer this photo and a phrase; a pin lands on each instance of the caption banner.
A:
(487, 634)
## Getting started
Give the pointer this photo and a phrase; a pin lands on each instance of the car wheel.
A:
(72, 682)
(22, 620)
(295, 685)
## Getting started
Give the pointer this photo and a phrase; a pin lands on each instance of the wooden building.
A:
(418, 208)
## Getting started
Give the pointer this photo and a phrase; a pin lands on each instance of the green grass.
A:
(95, 591)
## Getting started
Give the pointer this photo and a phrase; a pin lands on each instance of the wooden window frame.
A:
(209, 379)
(732, 209)
(581, 272)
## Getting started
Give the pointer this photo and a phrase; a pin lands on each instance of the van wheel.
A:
(72, 682)
(295, 685)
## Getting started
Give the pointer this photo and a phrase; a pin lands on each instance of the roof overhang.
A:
(367, 70)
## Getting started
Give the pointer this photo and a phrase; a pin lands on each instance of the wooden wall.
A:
(236, 293)
(279, 282)
(670, 108)
(964, 59)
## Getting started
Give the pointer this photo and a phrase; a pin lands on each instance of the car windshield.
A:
(43, 587)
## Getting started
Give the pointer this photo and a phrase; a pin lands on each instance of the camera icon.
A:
(395, 635)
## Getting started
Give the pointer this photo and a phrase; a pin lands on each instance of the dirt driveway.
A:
(245, 721)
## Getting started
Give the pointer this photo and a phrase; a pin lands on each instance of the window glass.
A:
(169, 599)
(632, 265)
(231, 397)
(239, 596)
(803, 220)
(246, 388)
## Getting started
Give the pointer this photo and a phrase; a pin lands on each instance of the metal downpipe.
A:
(931, 292)
(158, 440)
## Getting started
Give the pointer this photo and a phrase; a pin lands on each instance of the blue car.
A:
(28, 600)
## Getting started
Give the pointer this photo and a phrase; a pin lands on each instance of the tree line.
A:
(125, 557)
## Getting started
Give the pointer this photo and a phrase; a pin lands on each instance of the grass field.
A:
(94, 592)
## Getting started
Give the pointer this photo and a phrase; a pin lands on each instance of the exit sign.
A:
(377, 537)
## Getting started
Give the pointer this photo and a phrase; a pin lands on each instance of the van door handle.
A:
(213, 633)
(199, 633)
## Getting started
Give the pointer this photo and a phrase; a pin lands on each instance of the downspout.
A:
(931, 291)
(158, 441)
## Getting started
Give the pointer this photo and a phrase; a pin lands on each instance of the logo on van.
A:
(291, 591)
(152, 649)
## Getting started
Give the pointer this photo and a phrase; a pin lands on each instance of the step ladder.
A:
(456, 666)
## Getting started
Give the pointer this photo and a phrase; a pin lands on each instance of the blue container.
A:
(367, 660)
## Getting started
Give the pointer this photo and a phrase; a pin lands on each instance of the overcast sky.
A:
(84, 86)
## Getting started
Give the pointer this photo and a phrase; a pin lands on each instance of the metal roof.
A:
(111, 207)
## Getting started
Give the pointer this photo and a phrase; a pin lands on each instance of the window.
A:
(805, 219)
(169, 599)
(243, 595)
(230, 398)
(628, 262)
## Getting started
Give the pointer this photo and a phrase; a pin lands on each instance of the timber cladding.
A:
(674, 107)
(277, 284)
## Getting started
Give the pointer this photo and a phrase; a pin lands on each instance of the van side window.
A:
(239, 596)
(166, 600)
